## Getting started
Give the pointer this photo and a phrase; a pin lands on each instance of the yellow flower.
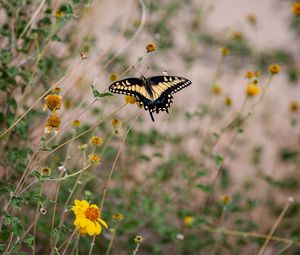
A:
(118, 217)
(216, 89)
(274, 69)
(58, 14)
(96, 140)
(57, 90)
(251, 19)
(188, 220)
(294, 106)
(95, 159)
(87, 219)
(228, 101)
(225, 51)
(113, 77)
(257, 74)
(83, 147)
(76, 123)
(130, 99)
(296, 8)
(53, 122)
(138, 239)
(238, 36)
(226, 199)
(252, 90)
(150, 47)
(45, 171)
(116, 122)
(53, 102)
(68, 103)
(249, 75)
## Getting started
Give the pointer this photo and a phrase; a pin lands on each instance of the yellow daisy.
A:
(88, 219)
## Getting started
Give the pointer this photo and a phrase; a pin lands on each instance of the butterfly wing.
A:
(131, 87)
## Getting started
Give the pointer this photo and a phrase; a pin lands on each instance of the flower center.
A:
(92, 213)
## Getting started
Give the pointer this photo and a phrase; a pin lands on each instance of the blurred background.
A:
(222, 164)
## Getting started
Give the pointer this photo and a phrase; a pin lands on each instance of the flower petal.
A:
(103, 223)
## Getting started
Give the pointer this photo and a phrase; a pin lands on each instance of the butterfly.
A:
(154, 94)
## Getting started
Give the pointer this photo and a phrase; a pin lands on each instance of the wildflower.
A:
(46, 171)
(257, 74)
(216, 89)
(225, 51)
(226, 199)
(76, 123)
(252, 90)
(95, 159)
(227, 101)
(96, 140)
(88, 219)
(238, 36)
(57, 90)
(274, 69)
(130, 99)
(251, 19)
(150, 47)
(188, 220)
(68, 103)
(52, 122)
(53, 102)
(294, 106)
(113, 77)
(249, 75)
(137, 22)
(138, 239)
(180, 236)
(116, 122)
(43, 210)
(58, 14)
(118, 217)
(296, 8)
(62, 168)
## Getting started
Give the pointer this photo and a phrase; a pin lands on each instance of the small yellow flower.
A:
(57, 90)
(45, 171)
(68, 103)
(53, 122)
(87, 219)
(137, 22)
(116, 122)
(188, 221)
(76, 123)
(225, 51)
(58, 14)
(227, 101)
(138, 239)
(216, 89)
(53, 102)
(252, 90)
(249, 75)
(118, 217)
(95, 159)
(226, 199)
(257, 74)
(113, 77)
(274, 69)
(150, 47)
(296, 8)
(238, 36)
(251, 19)
(294, 106)
(130, 99)
(96, 140)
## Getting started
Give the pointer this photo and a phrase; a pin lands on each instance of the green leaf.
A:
(28, 240)
(17, 202)
(204, 188)
(56, 38)
(98, 94)
(36, 174)
(17, 227)
(218, 159)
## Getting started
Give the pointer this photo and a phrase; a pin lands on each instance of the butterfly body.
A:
(154, 94)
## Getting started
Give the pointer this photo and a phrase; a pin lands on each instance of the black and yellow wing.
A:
(154, 94)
